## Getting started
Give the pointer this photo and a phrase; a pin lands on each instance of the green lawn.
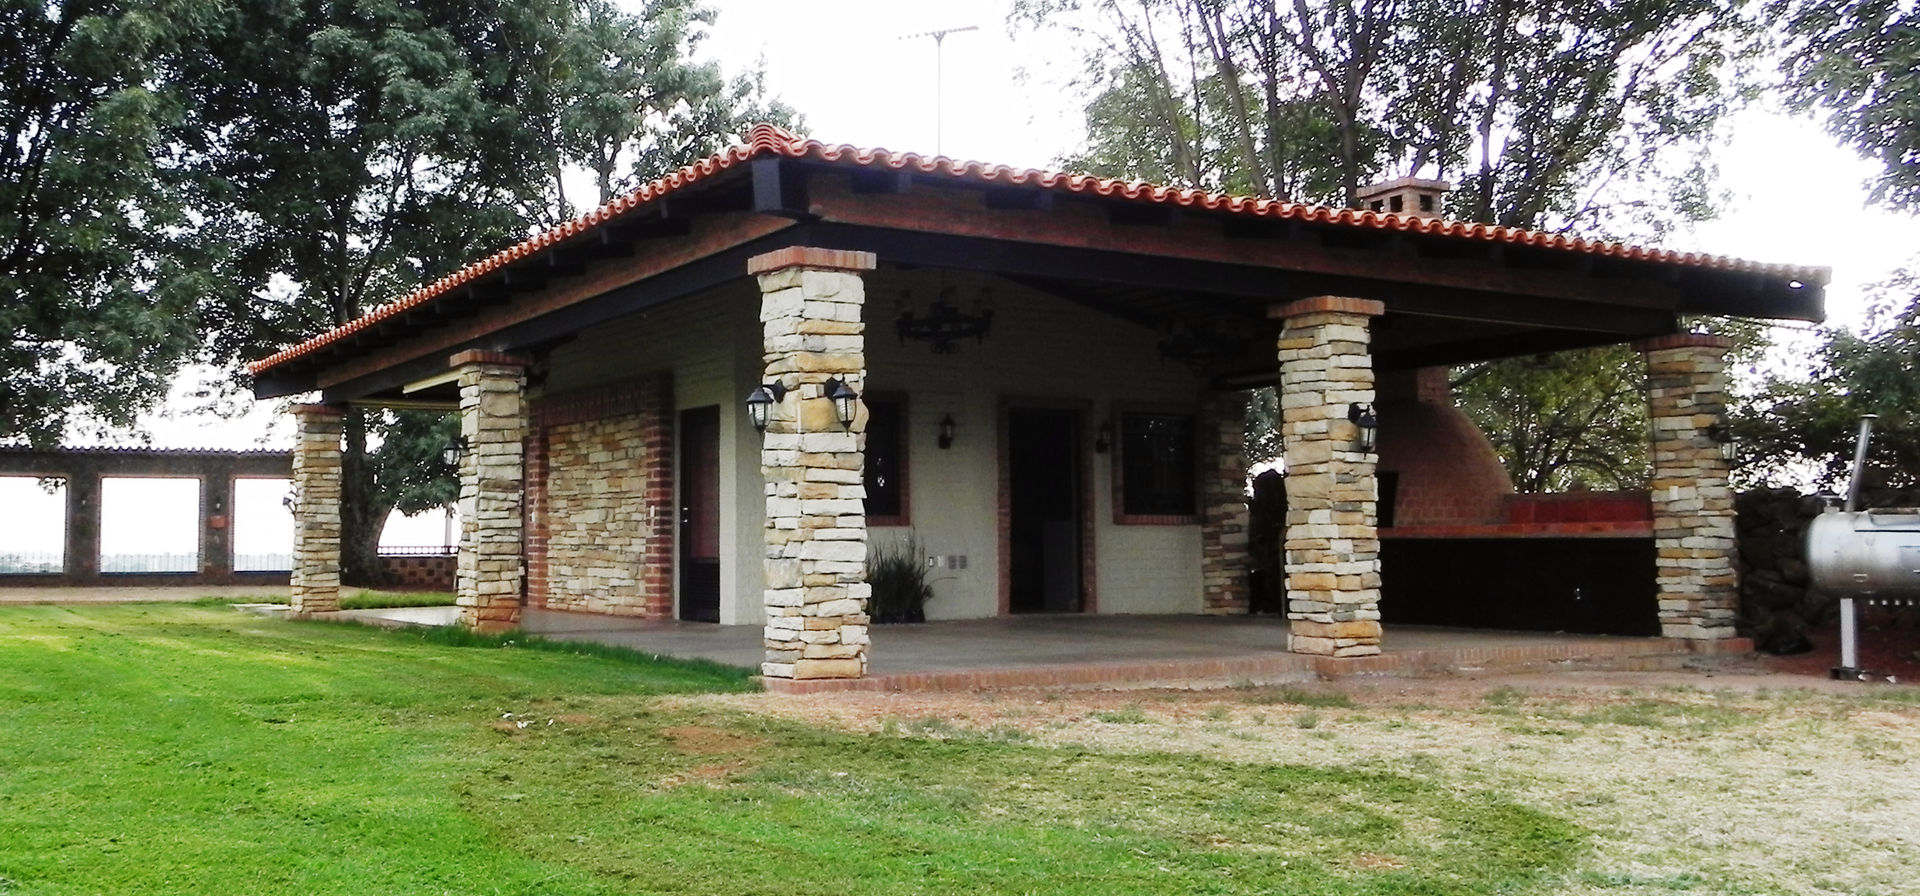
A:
(192, 749)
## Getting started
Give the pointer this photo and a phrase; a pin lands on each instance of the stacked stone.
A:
(1223, 513)
(493, 420)
(1332, 546)
(316, 493)
(599, 526)
(1693, 512)
(816, 531)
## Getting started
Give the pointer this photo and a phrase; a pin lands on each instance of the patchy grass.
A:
(175, 748)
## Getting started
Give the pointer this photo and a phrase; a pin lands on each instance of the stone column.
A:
(1223, 510)
(1693, 536)
(316, 509)
(493, 420)
(1332, 548)
(816, 536)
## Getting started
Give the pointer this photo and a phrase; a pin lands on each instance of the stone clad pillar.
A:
(816, 532)
(1332, 546)
(316, 508)
(493, 420)
(1223, 510)
(1693, 535)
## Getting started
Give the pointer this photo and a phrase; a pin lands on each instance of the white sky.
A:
(1795, 196)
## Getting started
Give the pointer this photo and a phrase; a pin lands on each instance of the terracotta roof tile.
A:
(766, 139)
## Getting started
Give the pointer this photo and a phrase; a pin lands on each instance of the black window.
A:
(886, 476)
(1158, 476)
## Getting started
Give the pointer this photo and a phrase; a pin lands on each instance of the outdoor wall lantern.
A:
(1722, 435)
(760, 403)
(946, 432)
(451, 452)
(1103, 438)
(291, 501)
(1362, 417)
(844, 400)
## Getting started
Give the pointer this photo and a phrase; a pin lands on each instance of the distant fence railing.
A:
(149, 563)
(271, 562)
(417, 550)
(32, 563)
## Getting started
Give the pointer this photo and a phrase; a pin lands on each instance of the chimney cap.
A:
(1418, 184)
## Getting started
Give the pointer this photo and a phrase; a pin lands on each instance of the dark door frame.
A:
(1083, 412)
(683, 504)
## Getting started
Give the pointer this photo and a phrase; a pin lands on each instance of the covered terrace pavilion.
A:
(1066, 443)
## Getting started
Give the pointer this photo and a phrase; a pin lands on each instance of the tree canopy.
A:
(1858, 63)
(101, 268)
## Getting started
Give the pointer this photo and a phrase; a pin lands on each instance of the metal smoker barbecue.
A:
(1871, 555)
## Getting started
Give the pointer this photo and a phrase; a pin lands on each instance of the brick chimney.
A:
(1404, 196)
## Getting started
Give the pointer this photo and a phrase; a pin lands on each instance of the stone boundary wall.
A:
(601, 509)
(83, 468)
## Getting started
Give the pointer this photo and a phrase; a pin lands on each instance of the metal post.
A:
(939, 80)
(1849, 667)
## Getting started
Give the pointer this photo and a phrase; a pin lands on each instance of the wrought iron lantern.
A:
(1722, 435)
(452, 451)
(760, 403)
(1368, 426)
(845, 401)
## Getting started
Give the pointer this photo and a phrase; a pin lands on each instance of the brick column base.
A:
(1332, 546)
(811, 303)
(493, 421)
(1223, 511)
(316, 509)
(1693, 533)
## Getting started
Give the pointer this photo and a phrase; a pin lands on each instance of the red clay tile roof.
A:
(767, 139)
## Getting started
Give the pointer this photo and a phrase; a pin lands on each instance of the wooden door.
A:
(700, 514)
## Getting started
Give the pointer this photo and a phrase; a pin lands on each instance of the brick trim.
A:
(1324, 304)
(477, 356)
(810, 257)
(1682, 340)
(318, 410)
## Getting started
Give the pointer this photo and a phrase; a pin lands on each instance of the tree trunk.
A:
(361, 516)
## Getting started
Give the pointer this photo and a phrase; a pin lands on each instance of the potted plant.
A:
(901, 587)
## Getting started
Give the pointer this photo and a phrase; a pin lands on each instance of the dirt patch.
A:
(1729, 777)
(1889, 645)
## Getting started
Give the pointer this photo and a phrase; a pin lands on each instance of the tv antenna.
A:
(939, 75)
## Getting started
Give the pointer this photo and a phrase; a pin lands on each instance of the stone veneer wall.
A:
(1331, 543)
(816, 532)
(316, 530)
(1223, 508)
(493, 420)
(600, 508)
(1693, 513)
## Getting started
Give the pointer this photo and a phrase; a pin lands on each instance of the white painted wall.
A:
(1041, 347)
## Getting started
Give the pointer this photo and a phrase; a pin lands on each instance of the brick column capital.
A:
(496, 359)
(318, 412)
(810, 257)
(1327, 305)
(1682, 340)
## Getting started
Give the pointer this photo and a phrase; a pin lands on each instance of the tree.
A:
(101, 270)
(1573, 419)
(1859, 61)
(1550, 115)
(354, 149)
(1798, 426)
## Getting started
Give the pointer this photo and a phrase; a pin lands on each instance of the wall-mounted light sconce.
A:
(845, 401)
(1722, 435)
(760, 403)
(946, 432)
(1103, 438)
(451, 452)
(291, 501)
(1362, 417)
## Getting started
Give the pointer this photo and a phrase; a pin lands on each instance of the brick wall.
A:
(600, 512)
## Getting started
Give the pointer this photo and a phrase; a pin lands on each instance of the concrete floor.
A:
(1033, 642)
